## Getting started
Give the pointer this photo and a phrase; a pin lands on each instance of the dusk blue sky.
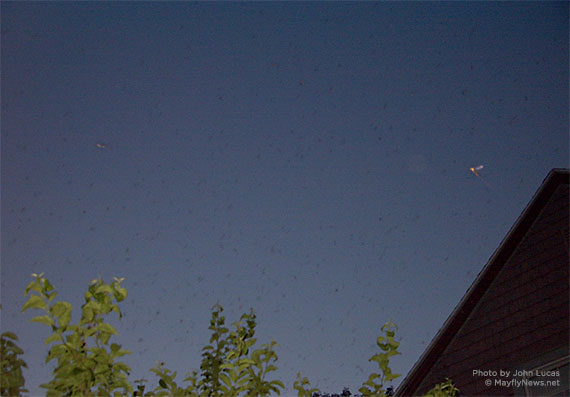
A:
(308, 160)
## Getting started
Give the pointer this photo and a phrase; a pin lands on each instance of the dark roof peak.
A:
(555, 178)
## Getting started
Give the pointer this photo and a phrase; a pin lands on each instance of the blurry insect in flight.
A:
(101, 145)
(476, 170)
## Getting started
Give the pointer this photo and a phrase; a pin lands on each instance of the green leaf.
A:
(56, 351)
(108, 328)
(116, 309)
(122, 367)
(74, 340)
(9, 335)
(120, 294)
(52, 296)
(93, 306)
(87, 315)
(53, 338)
(47, 286)
(390, 377)
(122, 352)
(255, 356)
(62, 310)
(246, 361)
(34, 302)
(34, 286)
(47, 320)
(226, 379)
(371, 378)
(104, 288)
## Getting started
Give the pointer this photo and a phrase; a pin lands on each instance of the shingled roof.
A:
(498, 322)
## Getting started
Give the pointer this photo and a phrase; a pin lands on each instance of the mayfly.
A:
(475, 171)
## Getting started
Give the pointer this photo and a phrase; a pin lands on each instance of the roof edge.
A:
(556, 177)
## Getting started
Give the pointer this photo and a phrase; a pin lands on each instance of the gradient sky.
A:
(309, 160)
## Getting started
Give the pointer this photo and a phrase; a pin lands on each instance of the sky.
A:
(307, 160)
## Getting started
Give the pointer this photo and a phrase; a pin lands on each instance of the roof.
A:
(462, 311)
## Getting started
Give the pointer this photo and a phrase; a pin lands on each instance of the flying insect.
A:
(476, 170)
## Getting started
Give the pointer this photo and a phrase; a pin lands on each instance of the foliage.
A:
(11, 379)
(300, 384)
(374, 386)
(230, 366)
(389, 348)
(444, 389)
(85, 362)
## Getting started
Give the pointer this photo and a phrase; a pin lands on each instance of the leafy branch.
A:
(85, 363)
(11, 377)
(230, 366)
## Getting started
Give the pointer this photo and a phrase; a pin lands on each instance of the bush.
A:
(11, 379)
(231, 366)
